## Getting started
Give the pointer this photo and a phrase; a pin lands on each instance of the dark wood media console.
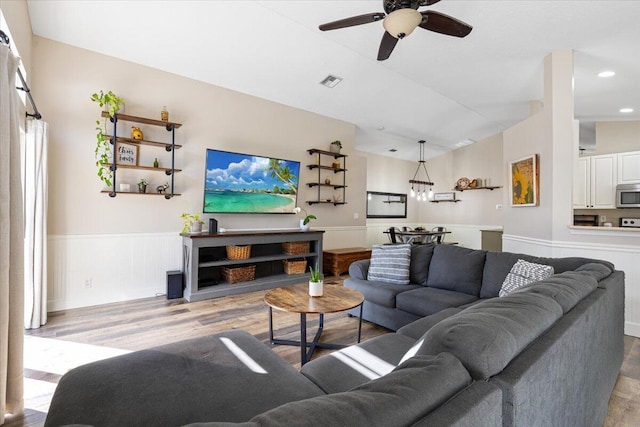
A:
(204, 256)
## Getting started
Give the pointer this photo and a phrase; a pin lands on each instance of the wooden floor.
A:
(140, 324)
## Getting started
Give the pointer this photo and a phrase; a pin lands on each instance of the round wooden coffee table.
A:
(296, 299)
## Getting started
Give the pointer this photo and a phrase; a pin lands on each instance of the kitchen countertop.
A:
(623, 229)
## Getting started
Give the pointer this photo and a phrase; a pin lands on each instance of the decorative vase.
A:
(334, 148)
(164, 114)
(316, 289)
(142, 188)
(304, 227)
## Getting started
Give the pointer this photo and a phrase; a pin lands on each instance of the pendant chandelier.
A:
(421, 185)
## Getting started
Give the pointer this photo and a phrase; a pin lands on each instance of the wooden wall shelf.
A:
(170, 147)
(445, 201)
(478, 188)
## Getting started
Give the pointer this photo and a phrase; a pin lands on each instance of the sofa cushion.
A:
(185, 382)
(456, 269)
(420, 259)
(357, 364)
(378, 292)
(418, 328)
(426, 301)
(487, 336)
(596, 270)
(400, 398)
(522, 273)
(390, 263)
(567, 289)
(498, 265)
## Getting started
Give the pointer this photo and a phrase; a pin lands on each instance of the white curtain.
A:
(11, 242)
(35, 230)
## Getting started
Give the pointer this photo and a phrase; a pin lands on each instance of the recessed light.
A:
(393, 150)
(626, 110)
(331, 81)
(607, 73)
(380, 128)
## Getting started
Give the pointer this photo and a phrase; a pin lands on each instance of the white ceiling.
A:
(434, 87)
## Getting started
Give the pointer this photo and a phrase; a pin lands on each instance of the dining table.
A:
(417, 236)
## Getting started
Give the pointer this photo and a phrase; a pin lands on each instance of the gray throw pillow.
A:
(522, 273)
(390, 263)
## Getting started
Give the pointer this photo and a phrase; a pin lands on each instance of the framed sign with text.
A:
(126, 154)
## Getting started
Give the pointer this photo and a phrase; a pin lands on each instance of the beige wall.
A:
(617, 137)
(212, 117)
(16, 14)
(477, 207)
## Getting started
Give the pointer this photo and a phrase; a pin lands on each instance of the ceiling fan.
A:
(400, 18)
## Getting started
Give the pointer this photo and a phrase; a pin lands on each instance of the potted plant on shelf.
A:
(191, 223)
(315, 282)
(113, 103)
(142, 185)
(335, 146)
(304, 223)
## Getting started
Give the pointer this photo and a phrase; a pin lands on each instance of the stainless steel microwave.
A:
(628, 196)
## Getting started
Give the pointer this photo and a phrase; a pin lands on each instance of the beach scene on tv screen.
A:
(242, 183)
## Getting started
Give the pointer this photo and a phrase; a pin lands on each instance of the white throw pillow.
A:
(522, 273)
(390, 263)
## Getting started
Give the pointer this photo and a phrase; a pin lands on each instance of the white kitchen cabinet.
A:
(594, 184)
(629, 167)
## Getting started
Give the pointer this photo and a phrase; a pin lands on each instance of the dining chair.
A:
(439, 238)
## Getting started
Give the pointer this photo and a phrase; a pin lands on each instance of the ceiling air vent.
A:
(331, 81)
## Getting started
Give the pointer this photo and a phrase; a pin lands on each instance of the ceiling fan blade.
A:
(352, 21)
(386, 46)
(444, 24)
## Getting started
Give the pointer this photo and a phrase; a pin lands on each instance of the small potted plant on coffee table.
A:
(315, 282)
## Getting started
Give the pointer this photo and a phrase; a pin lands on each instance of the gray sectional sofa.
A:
(547, 354)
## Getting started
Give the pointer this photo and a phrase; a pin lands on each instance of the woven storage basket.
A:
(238, 252)
(295, 248)
(239, 274)
(295, 266)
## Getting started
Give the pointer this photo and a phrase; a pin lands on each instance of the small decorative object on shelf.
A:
(191, 223)
(335, 146)
(136, 133)
(315, 282)
(155, 163)
(304, 223)
(335, 165)
(142, 185)
(164, 114)
(463, 183)
(441, 197)
(327, 181)
(162, 188)
(125, 188)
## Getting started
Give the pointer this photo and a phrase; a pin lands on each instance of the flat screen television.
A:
(245, 183)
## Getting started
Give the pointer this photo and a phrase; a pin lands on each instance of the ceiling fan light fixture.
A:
(400, 23)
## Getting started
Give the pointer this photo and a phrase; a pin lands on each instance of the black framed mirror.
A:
(386, 205)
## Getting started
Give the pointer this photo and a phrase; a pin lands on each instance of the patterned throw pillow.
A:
(522, 273)
(390, 263)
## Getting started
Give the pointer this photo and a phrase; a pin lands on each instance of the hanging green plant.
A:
(103, 153)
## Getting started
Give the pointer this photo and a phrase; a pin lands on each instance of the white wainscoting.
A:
(121, 267)
(98, 269)
(624, 257)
